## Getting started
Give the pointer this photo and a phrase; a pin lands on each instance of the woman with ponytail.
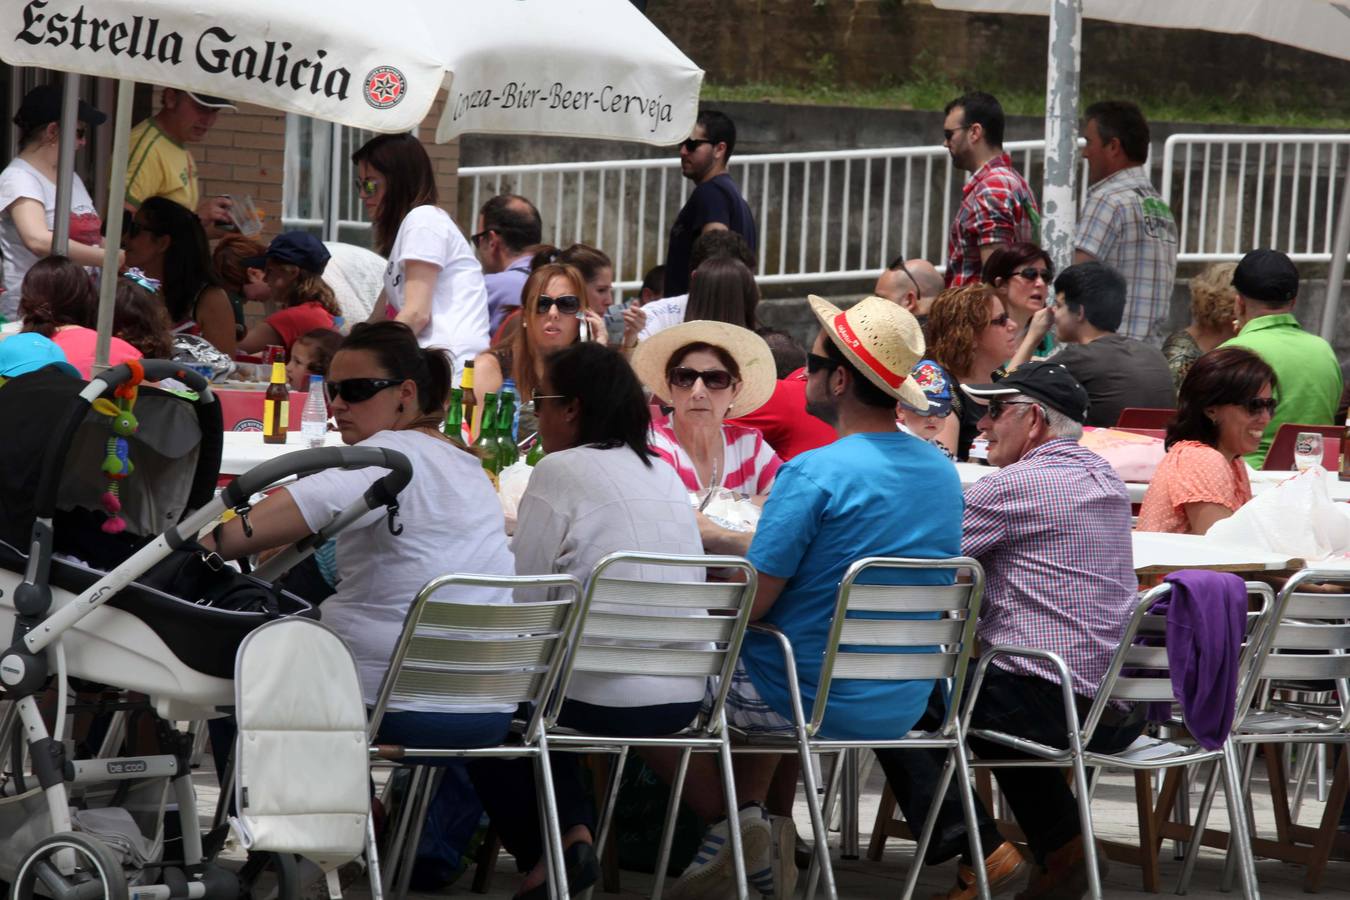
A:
(386, 391)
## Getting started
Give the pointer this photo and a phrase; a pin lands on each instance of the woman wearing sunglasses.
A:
(1225, 403)
(28, 193)
(386, 391)
(553, 306)
(167, 242)
(433, 282)
(1022, 276)
(971, 337)
(707, 371)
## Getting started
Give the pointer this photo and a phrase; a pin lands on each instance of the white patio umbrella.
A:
(586, 68)
(1322, 26)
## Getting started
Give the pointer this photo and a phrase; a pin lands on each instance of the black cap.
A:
(1268, 276)
(299, 248)
(1046, 381)
(42, 105)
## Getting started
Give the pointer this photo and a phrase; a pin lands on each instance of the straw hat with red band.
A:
(752, 355)
(882, 340)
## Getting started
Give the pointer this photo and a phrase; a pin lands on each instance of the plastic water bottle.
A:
(509, 387)
(314, 418)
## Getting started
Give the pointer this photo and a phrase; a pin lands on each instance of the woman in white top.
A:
(433, 281)
(599, 490)
(28, 194)
(385, 391)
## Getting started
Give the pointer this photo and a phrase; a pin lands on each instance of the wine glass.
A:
(1307, 450)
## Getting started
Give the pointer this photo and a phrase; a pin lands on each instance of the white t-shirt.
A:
(583, 504)
(20, 180)
(459, 304)
(451, 522)
(662, 314)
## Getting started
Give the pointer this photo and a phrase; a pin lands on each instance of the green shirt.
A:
(1305, 366)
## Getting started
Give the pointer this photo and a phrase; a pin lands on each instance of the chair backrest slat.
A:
(908, 598)
(901, 632)
(1305, 666)
(1317, 606)
(1143, 689)
(464, 688)
(894, 666)
(600, 623)
(668, 594)
(484, 655)
(1293, 635)
(663, 661)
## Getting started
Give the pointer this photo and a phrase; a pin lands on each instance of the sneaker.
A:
(783, 877)
(1004, 867)
(712, 873)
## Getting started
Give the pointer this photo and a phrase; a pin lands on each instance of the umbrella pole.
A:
(65, 163)
(1058, 207)
(1336, 274)
(117, 188)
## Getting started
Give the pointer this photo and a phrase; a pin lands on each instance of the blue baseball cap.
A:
(936, 386)
(28, 351)
(299, 248)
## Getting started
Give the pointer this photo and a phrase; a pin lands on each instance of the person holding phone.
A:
(554, 315)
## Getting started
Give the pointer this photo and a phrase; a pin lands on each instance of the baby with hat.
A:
(927, 424)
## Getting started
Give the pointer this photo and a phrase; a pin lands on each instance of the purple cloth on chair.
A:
(1206, 619)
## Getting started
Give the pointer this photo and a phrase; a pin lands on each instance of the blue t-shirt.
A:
(715, 200)
(503, 290)
(875, 494)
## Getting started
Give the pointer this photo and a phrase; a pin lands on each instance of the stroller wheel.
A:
(73, 865)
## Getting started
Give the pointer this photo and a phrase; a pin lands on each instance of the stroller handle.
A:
(155, 370)
(383, 492)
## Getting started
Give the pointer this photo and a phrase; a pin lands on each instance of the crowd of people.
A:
(847, 447)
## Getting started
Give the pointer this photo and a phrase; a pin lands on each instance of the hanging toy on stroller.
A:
(80, 825)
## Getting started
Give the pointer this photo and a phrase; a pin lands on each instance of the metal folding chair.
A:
(1308, 641)
(460, 654)
(630, 624)
(904, 632)
(1138, 673)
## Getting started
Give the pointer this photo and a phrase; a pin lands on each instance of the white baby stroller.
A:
(93, 825)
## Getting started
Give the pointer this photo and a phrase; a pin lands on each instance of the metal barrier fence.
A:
(1242, 191)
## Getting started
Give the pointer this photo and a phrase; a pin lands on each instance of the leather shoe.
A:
(1003, 868)
(583, 870)
(1064, 875)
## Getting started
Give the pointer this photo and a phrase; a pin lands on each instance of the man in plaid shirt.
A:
(1125, 222)
(1052, 531)
(997, 206)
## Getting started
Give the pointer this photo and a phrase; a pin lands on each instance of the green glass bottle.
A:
(536, 452)
(506, 445)
(454, 418)
(486, 444)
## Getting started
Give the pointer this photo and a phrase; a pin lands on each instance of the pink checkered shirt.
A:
(1052, 531)
(997, 207)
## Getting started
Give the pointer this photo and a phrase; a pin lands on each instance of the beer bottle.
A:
(454, 423)
(506, 445)
(276, 406)
(1345, 451)
(466, 391)
(486, 444)
(536, 452)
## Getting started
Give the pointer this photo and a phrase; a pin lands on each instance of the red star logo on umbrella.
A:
(385, 88)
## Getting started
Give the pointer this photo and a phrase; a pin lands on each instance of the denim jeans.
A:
(1040, 798)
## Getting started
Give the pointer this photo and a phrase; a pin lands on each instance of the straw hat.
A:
(882, 340)
(753, 357)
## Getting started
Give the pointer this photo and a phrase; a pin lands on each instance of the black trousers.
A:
(507, 786)
(1043, 803)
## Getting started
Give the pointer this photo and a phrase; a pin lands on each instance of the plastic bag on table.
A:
(1298, 518)
(511, 484)
(729, 509)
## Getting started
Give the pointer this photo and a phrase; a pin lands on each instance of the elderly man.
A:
(1052, 530)
(875, 491)
(914, 284)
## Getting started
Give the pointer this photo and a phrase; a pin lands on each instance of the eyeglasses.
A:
(81, 132)
(684, 377)
(817, 363)
(535, 397)
(366, 187)
(947, 133)
(568, 304)
(1258, 405)
(689, 145)
(358, 390)
(1031, 274)
(999, 321)
(475, 238)
(999, 407)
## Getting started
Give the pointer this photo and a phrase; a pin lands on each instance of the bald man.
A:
(914, 284)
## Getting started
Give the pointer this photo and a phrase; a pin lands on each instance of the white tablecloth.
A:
(243, 450)
(1166, 552)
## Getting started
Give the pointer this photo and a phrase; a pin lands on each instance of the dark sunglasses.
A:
(684, 377)
(817, 363)
(476, 238)
(1258, 405)
(1031, 274)
(134, 228)
(948, 132)
(999, 407)
(568, 304)
(358, 390)
(365, 186)
(691, 144)
(999, 321)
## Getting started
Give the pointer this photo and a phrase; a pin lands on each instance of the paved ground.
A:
(1113, 816)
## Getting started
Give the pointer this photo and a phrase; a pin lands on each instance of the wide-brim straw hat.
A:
(881, 339)
(753, 357)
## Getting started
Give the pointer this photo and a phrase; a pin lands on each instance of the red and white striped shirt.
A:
(749, 463)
